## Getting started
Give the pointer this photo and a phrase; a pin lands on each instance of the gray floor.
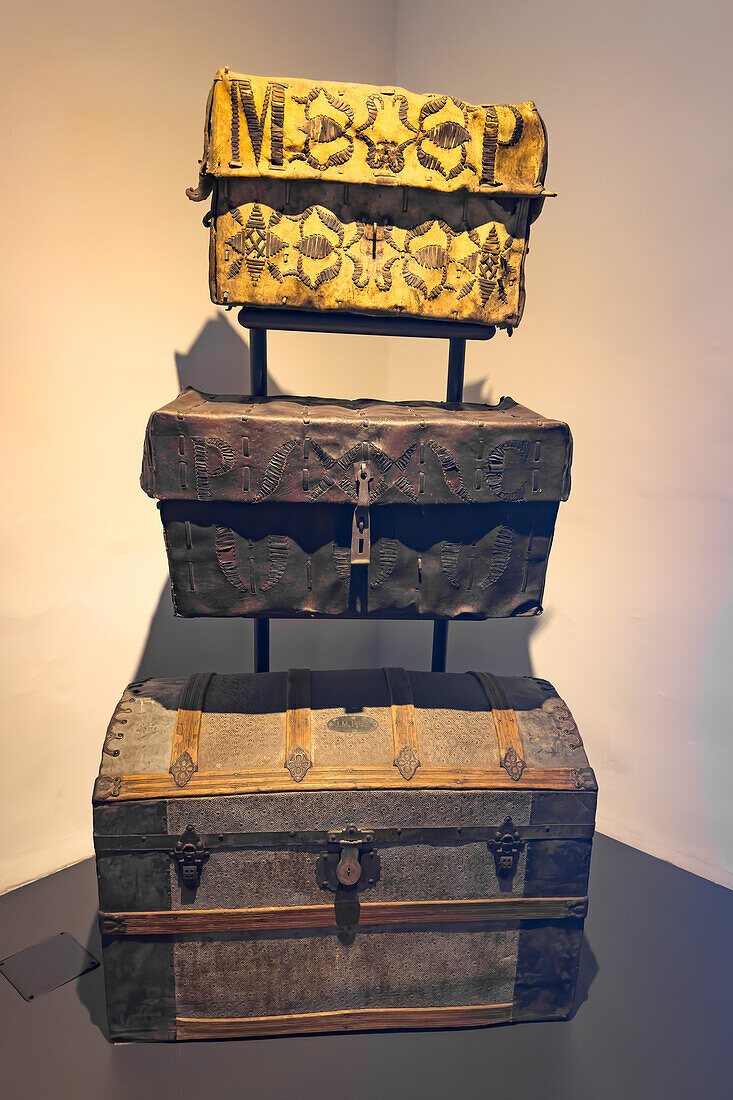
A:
(655, 1021)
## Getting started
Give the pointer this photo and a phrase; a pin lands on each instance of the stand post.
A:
(258, 371)
(454, 393)
(440, 645)
(258, 361)
(258, 377)
(456, 364)
(262, 645)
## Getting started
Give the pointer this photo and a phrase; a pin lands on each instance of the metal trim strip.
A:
(303, 840)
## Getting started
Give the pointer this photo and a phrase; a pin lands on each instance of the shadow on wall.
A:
(473, 390)
(500, 646)
(218, 360)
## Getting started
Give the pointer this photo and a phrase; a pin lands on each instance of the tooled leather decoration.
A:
(316, 246)
(345, 462)
(273, 474)
(433, 257)
(388, 549)
(492, 141)
(330, 135)
(445, 136)
(338, 469)
(495, 465)
(201, 466)
(278, 551)
(491, 264)
(386, 155)
(341, 556)
(451, 471)
(501, 552)
(241, 92)
(373, 253)
(322, 129)
(500, 556)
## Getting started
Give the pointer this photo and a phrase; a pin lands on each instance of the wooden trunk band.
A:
(404, 725)
(298, 723)
(507, 729)
(354, 1019)
(195, 921)
(134, 787)
(185, 748)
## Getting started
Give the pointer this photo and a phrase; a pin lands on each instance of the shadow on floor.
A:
(655, 1024)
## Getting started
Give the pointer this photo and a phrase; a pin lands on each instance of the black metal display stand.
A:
(258, 321)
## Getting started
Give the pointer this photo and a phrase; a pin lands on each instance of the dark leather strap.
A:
(507, 728)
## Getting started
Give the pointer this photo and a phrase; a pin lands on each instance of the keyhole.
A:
(348, 870)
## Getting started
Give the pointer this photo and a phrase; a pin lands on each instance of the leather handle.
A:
(507, 728)
(298, 723)
(404, 724)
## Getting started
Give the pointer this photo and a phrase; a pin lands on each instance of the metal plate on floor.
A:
(47, 965)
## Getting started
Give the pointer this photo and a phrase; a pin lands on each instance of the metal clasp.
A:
(506, 847)
(349, 861)
(360, 533)
(190, 855)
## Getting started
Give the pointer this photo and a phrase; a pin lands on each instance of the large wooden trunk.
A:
(297, 852)
(314, 507)
(350, 197)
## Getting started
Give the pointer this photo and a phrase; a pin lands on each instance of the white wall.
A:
(624, 336)
(106, 282)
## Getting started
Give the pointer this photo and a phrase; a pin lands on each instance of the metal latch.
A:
(360, 534)
(506, 847)
(349, 861)
(190, 855)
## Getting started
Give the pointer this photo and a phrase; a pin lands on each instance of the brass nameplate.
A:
(352, 723)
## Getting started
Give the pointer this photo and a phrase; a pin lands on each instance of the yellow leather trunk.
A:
(354, 198)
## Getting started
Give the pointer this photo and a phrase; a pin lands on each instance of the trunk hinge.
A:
(361, 544)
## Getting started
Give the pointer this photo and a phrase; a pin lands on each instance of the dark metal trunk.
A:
(329, 851)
